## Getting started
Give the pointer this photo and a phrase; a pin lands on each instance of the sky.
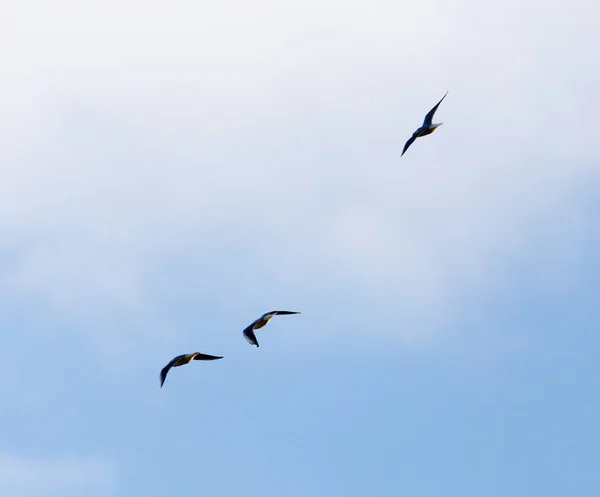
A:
(171, 171)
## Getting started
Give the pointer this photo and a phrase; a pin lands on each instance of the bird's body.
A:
(259, 323)
(426, 128)
(429, 130)
(184, 359)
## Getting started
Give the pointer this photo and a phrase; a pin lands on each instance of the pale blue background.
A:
(170, 172)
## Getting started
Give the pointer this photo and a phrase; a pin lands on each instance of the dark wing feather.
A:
(165, 370)
(408, 143)
(429, 116)
(207, 357)
(250, 336)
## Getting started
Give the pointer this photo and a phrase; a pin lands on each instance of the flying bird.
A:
(183, 359)
(259, 323)
(426, 129)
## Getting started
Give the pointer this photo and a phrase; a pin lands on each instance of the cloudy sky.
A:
(172, 170)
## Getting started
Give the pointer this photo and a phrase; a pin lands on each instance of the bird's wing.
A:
(250, 336)
(408, 143)
(429, 117)
(283, 312)
(207, 357)
(165, 370)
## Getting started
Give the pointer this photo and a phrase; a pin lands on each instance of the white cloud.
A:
(221, 135)
(48, 477)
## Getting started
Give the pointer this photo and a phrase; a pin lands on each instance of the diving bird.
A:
(259, 323)
(426, 129)
(183, 359)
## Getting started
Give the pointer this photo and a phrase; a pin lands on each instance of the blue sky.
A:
(172, 172)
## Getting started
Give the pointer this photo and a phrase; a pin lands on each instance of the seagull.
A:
(183, 359)
(259, 323)
(426, 129)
